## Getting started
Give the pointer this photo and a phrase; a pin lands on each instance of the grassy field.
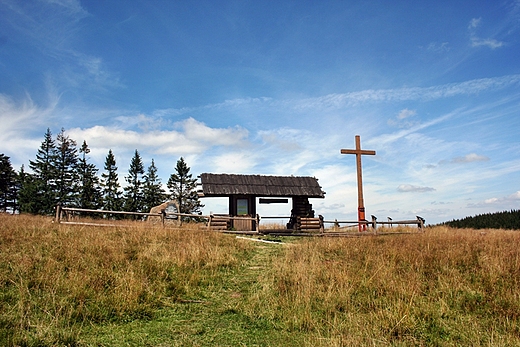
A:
(142, 285)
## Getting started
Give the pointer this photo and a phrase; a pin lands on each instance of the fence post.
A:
(209, 221)
(163, 217)
(58, 212)
(257, 226)
(374, 222)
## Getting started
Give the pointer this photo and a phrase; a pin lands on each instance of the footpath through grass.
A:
(211, 315)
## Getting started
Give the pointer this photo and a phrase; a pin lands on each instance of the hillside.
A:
(499, 220)
(135, 284)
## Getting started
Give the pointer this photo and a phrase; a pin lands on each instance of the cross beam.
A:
(361, 205)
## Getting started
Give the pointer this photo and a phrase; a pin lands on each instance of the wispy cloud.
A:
(477, 41)
(438, 47)
(415, 93)
(92, 69)
(50, 27)
(410, 188)
(469, 158)
(406, 113)
(338, 101)
(19, 119)
(74, 6)
(491, 43)
(385, 139)
(474, 23)
(402, 119)
(500, 202)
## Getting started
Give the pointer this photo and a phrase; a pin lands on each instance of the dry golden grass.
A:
(55, 278)
(443, 287)
(272, 225)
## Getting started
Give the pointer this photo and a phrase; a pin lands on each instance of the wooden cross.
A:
(361, 205)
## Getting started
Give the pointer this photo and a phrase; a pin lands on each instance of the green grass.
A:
(212, 317)
(143, 285)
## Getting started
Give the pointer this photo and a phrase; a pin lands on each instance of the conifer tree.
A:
(28, 191)
(153, 192)
(43, 180)
(110, 184)
(133, 191)
(90, 196)
(7, 184)
(65, 166)
(183, 189)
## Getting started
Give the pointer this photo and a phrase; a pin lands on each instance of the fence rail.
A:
(419, 222)
(221, 221)
(67, 213)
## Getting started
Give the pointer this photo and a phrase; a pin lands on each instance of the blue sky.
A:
(278, 88)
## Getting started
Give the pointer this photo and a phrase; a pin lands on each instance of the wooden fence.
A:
(65, 215)
(419, 222)
(222, 222)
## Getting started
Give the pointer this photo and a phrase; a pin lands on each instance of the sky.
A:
(279, 88)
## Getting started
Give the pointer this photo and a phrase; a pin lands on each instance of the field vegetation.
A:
(139, 284)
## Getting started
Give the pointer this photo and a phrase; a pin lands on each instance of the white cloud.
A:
(491, 43)
(18, 120)
(194, 137)
(74, 6)
(198, 131)
(469, 158)
(414, 93)
(409, 188)
(401, 120)
(340, 101)
(504, 202)
(233, 162)
(474, 22)
(95, 71)
(491, 201)
(438, 47)
(406, 113)
(479, 42)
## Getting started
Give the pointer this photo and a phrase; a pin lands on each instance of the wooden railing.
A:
(419, 222)
(64, 215)
(222, 222)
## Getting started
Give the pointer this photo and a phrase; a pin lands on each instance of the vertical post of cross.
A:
(361, 205)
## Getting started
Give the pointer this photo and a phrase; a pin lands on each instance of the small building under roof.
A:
(242, 191)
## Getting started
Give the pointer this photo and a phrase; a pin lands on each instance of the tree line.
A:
(62, 174)
(498, 220)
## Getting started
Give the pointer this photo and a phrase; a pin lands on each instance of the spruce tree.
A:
(7, 184)
(110, 184)
(133, 191)
(183, 189)
(43, 179)
(90, 196)
(153, 192)
(28, 190)
(65, 166)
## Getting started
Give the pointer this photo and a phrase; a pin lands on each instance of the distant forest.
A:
(497, 220)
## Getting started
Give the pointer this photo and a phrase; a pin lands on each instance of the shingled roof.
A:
(231, 184)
